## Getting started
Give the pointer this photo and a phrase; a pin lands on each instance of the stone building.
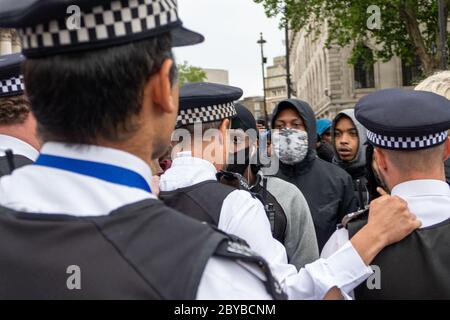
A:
(255, 105)
(9, 41)
(217, 76)
(276, 87)
(324, 78)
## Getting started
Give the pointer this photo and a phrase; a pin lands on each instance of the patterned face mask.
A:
(290, 145)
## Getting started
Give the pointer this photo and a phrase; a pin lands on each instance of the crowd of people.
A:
(117, 184)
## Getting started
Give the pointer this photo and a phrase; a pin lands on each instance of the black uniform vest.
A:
(141, 251)
(202, 201)
(18, 160)
(279, 216)
(418, 267)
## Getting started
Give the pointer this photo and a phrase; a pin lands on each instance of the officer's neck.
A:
(435, 174)
(25, 131)
(136, 145)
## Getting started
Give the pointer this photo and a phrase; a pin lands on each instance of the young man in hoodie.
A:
(290, 217)
(327, 188)
(324, 148)
(349, 143)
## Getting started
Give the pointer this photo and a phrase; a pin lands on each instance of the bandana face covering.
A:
(290, 145)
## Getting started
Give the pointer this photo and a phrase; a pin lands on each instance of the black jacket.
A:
(327, 188)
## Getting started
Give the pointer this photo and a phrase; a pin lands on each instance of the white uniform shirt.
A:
(40, 189)
(18, 147)
(429, 200)
(244, 216)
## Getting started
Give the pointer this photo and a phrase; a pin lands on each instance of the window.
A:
(411, 72)
(364, 71)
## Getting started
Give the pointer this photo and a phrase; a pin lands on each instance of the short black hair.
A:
(83, 96)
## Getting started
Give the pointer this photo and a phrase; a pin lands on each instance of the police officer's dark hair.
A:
(83, 96)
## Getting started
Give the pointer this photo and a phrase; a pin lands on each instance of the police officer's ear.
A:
(380, 159)
(447, 149)
(223, 128)
(161, 91)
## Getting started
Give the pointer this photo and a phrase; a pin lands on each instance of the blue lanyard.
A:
(102, 171)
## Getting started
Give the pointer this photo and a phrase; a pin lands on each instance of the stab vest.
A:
(418, 267)
(143, 250)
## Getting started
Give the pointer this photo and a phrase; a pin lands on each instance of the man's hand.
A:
(389, 221)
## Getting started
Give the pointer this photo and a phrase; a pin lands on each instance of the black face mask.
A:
(235, 161)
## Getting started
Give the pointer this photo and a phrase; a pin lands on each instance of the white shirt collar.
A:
(47, 190)
(421, 188)
(100, 154)
(429, 199)
(18, 147)
(186, 171)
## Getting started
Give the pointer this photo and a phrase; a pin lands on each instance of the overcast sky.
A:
(231, 29)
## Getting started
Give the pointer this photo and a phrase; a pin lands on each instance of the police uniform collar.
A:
(422, 187)
(186, 171)
(99, 154)
(58, 26)
(19, 147)
(11, 79)
(404, 119)
(206, 102)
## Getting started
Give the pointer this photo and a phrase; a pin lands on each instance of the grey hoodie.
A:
(300, 237)
(357, 167)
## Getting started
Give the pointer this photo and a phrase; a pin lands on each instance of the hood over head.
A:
(360, 160)
(307, 114)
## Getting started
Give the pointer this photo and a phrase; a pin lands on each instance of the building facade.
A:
(255, 105)
(9, 41)
(323, 77)
(217, 76)
(275, 81)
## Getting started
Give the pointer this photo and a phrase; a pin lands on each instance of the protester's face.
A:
(241, 151)
(289, 118)
(326, 136)
(346, 139)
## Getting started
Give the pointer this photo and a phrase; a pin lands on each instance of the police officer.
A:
(408, 130)
(82, 222)
(18, 141)
(438, 83)
(190, 185)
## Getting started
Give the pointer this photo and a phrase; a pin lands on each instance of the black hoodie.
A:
(327, 188)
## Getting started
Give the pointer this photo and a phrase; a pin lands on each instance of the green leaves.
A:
(409, 28)
(188, 73)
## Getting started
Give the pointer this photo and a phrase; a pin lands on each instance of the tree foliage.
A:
(188, 74)
(408, 29)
